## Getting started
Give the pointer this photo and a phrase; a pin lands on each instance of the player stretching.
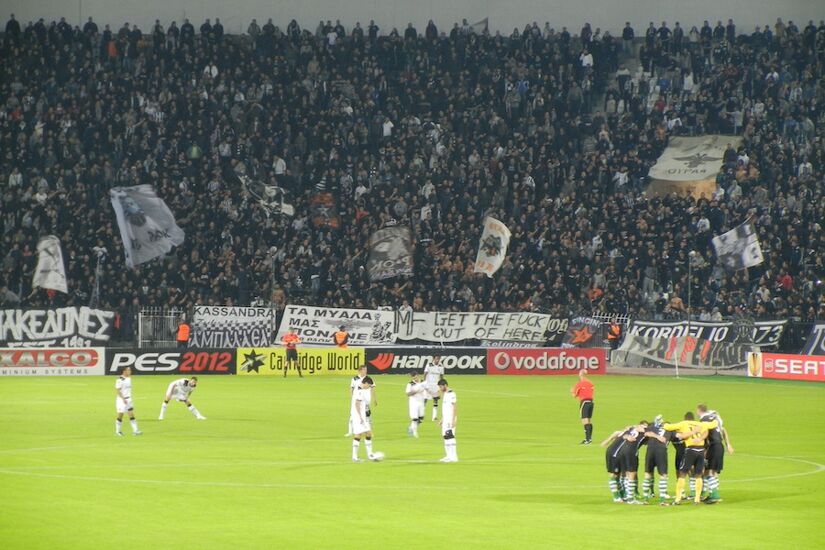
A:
(656, 459)
(361, 424)
(123, 402)
(718, 439)
(433, 374)
(291, 341)
(449, 417)
(180, 390)
(583, 390)
(694, 434)
(415, 391)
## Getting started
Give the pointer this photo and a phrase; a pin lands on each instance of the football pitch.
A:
(271, 468)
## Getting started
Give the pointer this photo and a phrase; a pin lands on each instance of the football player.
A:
(180, 390)
(415, 391)
(123, 402)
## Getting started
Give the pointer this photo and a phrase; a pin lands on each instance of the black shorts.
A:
(291, 354)
(680, 454)
(586, 408)
(629, 460)
(715, 457)
(612, 462)
(694, 459)
(656, 459)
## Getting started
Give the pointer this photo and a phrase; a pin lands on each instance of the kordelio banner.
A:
(171, 361)
(404, 360)
(545, 360)
(780, 366)
(51, 361)
(311, 361)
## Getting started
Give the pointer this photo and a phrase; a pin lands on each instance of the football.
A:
(377, 456)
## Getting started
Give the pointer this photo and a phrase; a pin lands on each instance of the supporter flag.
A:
(582, 333)
(493, 247)
(324, 212)
(480, 27)
(689, 165)
(50, 272)
(738, 248)
(390, 253)
(147, 226)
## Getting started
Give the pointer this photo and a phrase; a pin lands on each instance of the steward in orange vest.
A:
(341, 337)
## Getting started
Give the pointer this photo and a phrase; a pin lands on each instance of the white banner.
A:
(317, 325)
(492, 249)
(147, 226)
(50, 271)
(453, 327)
(738, 248)
(692, 158)
(67, 327)
(232, 327)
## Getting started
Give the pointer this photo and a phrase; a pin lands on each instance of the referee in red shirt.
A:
(583, 391)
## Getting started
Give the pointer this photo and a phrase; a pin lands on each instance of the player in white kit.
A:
(180, 390)
(123, 402)
(449, 417)
(361, 424)
(432, 374)
(416, 392)
(354, 384)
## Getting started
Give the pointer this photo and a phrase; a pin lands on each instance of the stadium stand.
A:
(551, 133)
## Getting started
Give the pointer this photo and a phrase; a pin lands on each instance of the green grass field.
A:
(271, 467)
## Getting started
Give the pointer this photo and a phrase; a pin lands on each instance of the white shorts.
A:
(359, 427)
(446, 426)
(178, 396)
(417, 409)
(121, 405)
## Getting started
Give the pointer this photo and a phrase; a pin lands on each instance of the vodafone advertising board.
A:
(780, 366)
(51, 361)
(545, 360)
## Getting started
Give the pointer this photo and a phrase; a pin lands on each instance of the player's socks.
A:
(713, 486)
(368, 445)
(118, 426)
(450, 449)
(133, 422)
(647, 487)
(698, 497)
(613, 484)
(588, 431)
(692, 486)
(194, 411)
(355, 446)
(680, 488)
(663, 488)
(162, 410)
(631, 490)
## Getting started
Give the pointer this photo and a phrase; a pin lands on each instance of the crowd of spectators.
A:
(552, 133)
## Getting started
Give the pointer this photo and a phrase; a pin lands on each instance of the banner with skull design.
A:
(493, 247)
(147, 226)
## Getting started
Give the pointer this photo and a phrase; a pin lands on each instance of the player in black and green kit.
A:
(656, 459)
(715, 445)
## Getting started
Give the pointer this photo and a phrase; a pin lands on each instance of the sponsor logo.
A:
(406, 360)
(787, 367)
(545, 361)
(311, 361)
(51, 362)
(172, 362)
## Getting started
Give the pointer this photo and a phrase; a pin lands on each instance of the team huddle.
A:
(179, 390)
(433, 387)
(699, 458)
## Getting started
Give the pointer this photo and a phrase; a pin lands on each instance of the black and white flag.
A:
(50, 272)
(492, 248)
(390, 253)
(738, 248)
(147, 226)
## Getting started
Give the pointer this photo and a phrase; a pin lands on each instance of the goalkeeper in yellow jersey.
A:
(693, 433)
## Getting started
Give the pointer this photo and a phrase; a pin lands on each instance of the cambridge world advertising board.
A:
(51, 361)
(312, 361)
